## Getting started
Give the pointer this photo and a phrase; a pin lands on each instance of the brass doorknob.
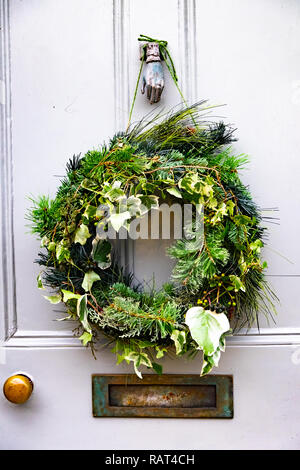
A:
(18, 388)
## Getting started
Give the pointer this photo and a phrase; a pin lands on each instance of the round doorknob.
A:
(18, 388)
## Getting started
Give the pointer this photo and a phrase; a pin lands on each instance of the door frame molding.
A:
(8, 320)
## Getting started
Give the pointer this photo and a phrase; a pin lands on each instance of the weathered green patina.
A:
(164, 396)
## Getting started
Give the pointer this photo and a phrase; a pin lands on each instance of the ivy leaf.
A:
(213, 361)
(90, 212)
(206, 189)
(219, 214)
(86, 338)
(237, 283)
(118, 220)
(179, 338)
(212, 203)
(120, 359)
(68, 295)
(230, 207)
(62, 252)
(53, 299)
(188, 182)
(210, 361)
(89, 278)
(160, 352)
(82, 234)
(222, 342)
(114, 192)
(101, 252)
(264, 265)
(133, 204)
(51, 246)
(157, 368)
(90, 186)
(149, 202)
(174, 192)
(256, 246)
(39, 282)
(206, 328)
(82, 312)
(138, 359)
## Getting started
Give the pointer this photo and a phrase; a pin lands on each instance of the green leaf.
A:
(206, 328)
(219, 213)
(188, 182)
(51, 246)
(230, 207)
(179, 338)
(256, 246)
(113, 192)
(237, 283)
(120, 359)
(149, 202)
(222, 342)
(174, 192)
(82, 234)
(53, 299)
(157, 368)
(133, 204)
(117, 347)
(160, 352)
(101, 252)
(212, 203)
(119, 220)
(82, 312)
(89, 278)
(68, 295)
(90, 186)
(86, 338)
(138, 359)
(39, 282)
(213, 361)
(264, 265)
(210, 361)
(206, 189)
(90, 212)
(62, 252)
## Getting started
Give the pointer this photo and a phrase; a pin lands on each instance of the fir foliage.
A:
(180, 154)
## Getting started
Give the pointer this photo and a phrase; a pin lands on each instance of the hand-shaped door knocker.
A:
(153, 76)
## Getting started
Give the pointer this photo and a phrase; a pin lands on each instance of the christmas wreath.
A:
(218, 280)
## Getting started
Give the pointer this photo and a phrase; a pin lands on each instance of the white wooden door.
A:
(68, 70)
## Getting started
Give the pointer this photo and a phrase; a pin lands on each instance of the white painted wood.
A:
(249, 61)
(58, 415)
(63, 103)
(7, 258)
(68, 71)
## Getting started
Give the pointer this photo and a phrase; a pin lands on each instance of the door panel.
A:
(59, 413)
(68, 72)
(254, 69)
(62, 104)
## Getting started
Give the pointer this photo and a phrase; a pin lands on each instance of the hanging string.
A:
(166, 56)
(135, 93)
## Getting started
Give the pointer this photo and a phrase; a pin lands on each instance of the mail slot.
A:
(165, 396)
